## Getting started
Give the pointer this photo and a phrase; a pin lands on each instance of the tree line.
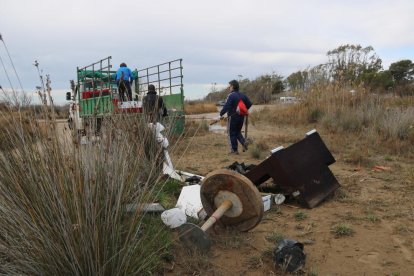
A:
(349, 66)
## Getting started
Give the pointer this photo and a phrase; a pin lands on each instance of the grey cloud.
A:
(217, 39)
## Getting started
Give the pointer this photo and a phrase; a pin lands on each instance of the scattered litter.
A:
(380, 168)
(167, 170)
(189, 200)
(147, 207)
(279, 199)
(173, 218)
(195, 179)
(289, 255)
(186, 175)
(240, 167)
(267, 202)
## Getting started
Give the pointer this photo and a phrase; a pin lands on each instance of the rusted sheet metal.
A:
(301, 167)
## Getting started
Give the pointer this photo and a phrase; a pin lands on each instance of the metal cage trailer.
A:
(95, 94)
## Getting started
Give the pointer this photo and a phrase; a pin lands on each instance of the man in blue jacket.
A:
(235, 121)
(124, 81)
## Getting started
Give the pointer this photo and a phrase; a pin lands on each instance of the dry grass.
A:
(63, 206)
(12, 124)
(194, 262)
(196, 128)
(380, 122)
(199, 107)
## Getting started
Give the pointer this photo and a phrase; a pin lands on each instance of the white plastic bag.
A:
(173, 218)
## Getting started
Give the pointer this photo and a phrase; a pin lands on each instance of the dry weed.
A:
(199, 107)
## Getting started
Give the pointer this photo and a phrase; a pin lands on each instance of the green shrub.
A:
(341, 230)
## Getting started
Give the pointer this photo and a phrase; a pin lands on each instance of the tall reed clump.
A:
(63, 205)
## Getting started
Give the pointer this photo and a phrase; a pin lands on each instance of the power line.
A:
(17, 75)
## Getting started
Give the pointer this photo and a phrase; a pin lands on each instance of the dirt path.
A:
(377, 206)
(215, 115)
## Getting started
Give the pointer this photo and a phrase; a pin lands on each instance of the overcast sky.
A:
(217, 40)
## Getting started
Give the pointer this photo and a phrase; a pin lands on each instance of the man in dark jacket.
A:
(153, 105)
(235, 121)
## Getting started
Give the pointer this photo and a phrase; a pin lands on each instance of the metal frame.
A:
(174, 69)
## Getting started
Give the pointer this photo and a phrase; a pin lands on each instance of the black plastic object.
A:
(289, 255)
(193, 179)
(301, 167)
(240, 167)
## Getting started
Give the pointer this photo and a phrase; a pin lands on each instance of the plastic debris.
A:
(173, 218)
(279, 199)
(289, 255)
(267, 202)
(189, 201)
(195, 179)
(240, 167)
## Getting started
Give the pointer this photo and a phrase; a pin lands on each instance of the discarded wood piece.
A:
(301, 168)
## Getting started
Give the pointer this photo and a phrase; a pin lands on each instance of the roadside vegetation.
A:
(377, 121)
(199, 107)
(63, 205)
(351, 67)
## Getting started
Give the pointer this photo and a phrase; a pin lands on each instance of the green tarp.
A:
(101, 75)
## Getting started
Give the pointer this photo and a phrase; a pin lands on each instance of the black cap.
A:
(235, 84)
(123, 64)
(151, 87)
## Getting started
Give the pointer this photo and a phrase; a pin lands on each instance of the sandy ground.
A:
(377, 206)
